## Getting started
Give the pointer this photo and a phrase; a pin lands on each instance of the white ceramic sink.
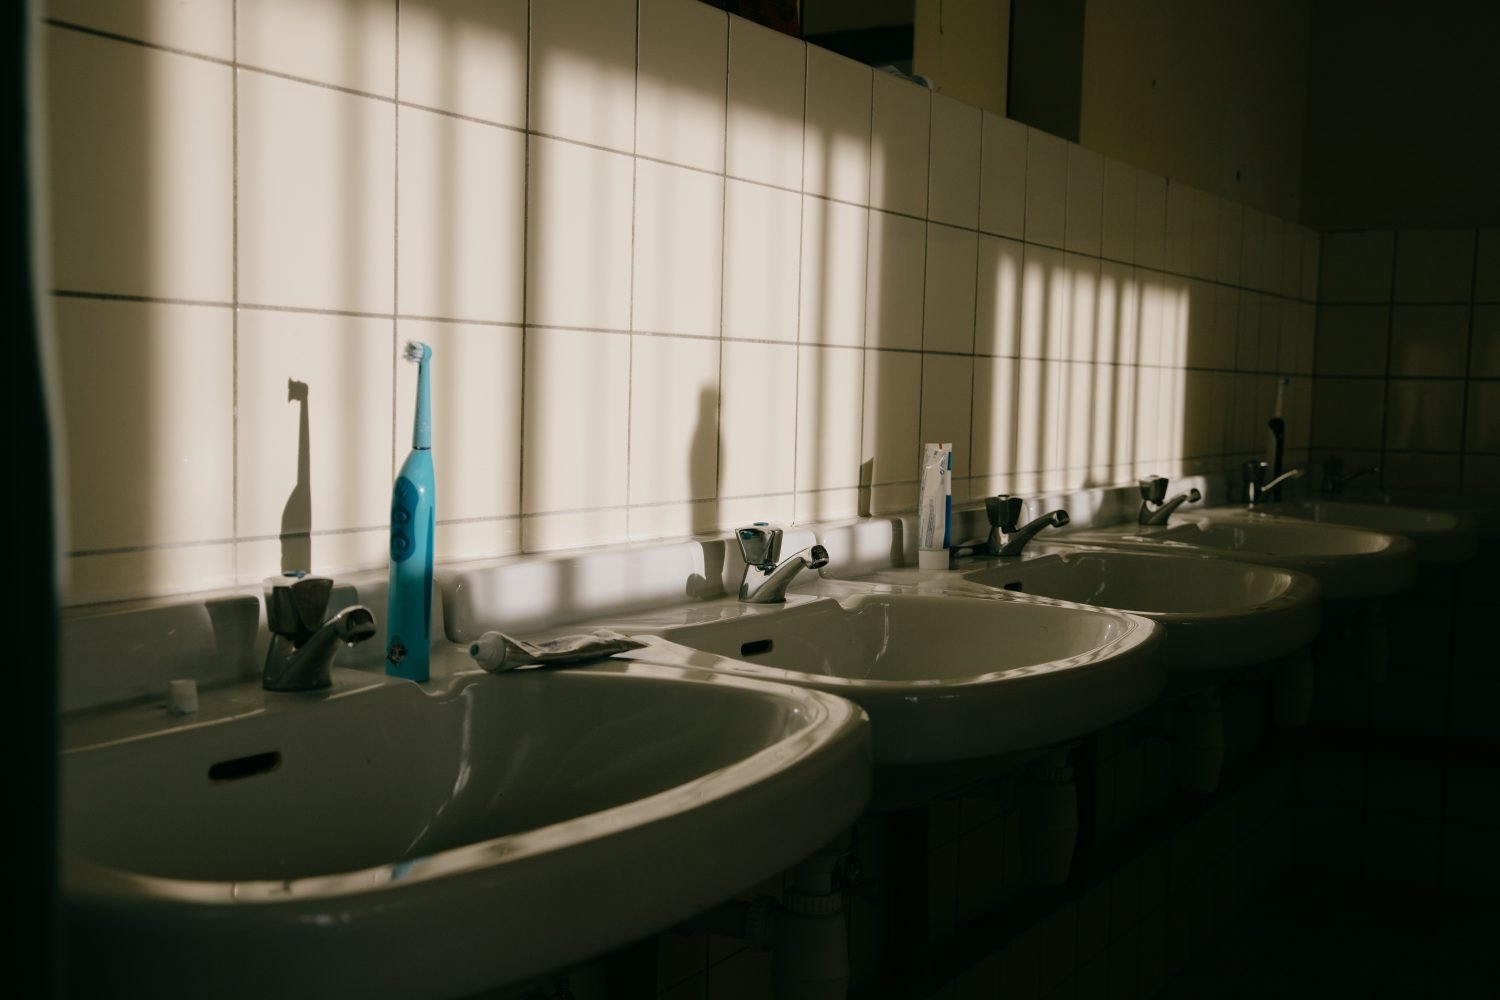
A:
(1441, 537)
(943, 678)
(1348, 563)
(386, 840)
(1218, 613)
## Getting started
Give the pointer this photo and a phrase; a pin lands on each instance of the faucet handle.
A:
(760, 544)
(1003, 511)
(1154, 488)
(296, 603)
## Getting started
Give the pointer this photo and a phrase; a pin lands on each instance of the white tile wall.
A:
(142, 170)
(895, 281)
(347, 43)
(948, 323)
(316, 196)
(467, 57)
(902, 112)
(836, 137)
(767, 81)
(1002, 181)
(753, 279)
(578, 236)
(583, 62)
(678, 250)
(953, 171)
(203, 28)
(680, 90)
(832, 290)
(462, 218)
(762, 261)
(1085, 201)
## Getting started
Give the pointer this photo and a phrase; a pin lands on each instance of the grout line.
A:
(68, 293)
(724, 280)
(525, 282)
(395, 353)
(635, 204)
(234, 284)
(801, 243)
(64, 25)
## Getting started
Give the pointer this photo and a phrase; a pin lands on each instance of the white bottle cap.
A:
(933, 559)
(182, 697)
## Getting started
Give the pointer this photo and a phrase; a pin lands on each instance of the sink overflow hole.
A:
(756, 647)
(244, 767)
(1015, 585)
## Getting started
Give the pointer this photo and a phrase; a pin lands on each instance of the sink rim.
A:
(974, 716)
(829, 721)
(1381, 572)
(1299, 586)
(1137, 631)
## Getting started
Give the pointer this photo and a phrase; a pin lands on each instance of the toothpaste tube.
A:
(935, 506)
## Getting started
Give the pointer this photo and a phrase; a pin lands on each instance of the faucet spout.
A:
(1256, 488)
(303, 643)
(1155, 509)
(1012, 540)
(760, 546)
(1164, 513)
(1334, 480)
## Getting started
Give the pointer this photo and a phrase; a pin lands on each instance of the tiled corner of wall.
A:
(1405, 338)
(678, 270)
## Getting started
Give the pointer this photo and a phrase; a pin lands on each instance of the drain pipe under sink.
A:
(806, 932)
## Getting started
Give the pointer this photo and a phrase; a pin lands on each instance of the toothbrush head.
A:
(417, 351)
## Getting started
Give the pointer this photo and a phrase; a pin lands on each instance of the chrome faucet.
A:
(1334, 480)
(1256, 486)
(302, 640)
(1006, 539)
(760, 545)
(1155, 508)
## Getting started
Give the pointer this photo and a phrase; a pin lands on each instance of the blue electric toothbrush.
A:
(409, 616)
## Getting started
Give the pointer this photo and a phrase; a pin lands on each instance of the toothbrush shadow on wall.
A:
(296, 515)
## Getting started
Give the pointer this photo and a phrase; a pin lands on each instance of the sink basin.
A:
(943, 678)
(492, 829)
(1348, 563)
(1218, 613)
(1441, 537)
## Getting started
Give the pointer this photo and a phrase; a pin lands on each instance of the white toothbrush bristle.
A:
(414, 351)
